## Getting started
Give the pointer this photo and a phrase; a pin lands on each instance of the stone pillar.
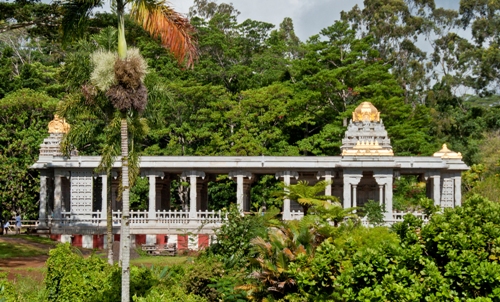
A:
(153, 203)
(42, 216)
(240, 187)
(152, 197)
(104, 196)
(351, 181)
(354, 195)
(192, 190)
(458, 191)
(436, 189)
(384, 179)
(58, 203)
(328, 176)
(287, 175)
(388, 198)
(381, 194)
(346, 197)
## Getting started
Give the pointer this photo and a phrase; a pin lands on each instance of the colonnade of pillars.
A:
(159, 190)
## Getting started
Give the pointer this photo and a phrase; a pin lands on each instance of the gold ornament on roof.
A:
(58, 125)
(366, 112)
(446, 153)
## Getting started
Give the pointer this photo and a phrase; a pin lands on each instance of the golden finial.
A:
(366, 112)
(58, 125)
(447, 153)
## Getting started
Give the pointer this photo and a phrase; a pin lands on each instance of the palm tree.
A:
(128, 95)
(307, 195)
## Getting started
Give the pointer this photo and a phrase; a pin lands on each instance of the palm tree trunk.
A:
(125, 227)
(109, 221)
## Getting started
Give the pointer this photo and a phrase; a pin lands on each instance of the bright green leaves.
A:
(25, 115)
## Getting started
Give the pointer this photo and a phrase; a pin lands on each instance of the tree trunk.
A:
(125, 227)
(109, 221)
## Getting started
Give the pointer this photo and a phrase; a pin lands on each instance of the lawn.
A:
(11, 250)
(160, 260)
(36, 239)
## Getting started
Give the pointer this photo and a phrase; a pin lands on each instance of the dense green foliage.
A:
(25, 116)
(71, 277)
(453, 257)
(259, 90)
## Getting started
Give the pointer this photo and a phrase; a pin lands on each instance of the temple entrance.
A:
(367, 189)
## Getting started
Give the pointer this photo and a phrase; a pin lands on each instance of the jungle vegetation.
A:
(257, 89)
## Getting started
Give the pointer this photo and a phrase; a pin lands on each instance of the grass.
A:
(36, 239)
(9, 250)
(161, 260)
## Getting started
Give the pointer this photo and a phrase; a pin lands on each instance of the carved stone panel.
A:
(447, 193)
(81, 191)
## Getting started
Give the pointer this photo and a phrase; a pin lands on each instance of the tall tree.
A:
(128, 93)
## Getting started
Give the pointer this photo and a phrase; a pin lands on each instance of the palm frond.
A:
(170, 27)
(76, 14)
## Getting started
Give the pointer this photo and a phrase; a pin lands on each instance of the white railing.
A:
(296, 215)
(397, 217)
(175, 218)
(140, 218)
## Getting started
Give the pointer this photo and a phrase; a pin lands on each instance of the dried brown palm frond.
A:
(124, 98)
(140, 102)
(131, 71)
(173, 29)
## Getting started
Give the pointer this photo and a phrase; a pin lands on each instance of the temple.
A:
(74, 198)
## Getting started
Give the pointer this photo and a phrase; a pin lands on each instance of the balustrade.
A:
(179, 218)
(140, 218)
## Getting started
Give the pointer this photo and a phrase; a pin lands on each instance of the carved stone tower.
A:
(366, 134)
(51, 145)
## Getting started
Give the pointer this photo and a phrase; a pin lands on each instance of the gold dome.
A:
(58, 125)
(366, 112)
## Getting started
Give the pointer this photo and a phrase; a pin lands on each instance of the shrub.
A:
(174, 293)
(233, 245)
(71, 277)
(7, 292)
(198, 278)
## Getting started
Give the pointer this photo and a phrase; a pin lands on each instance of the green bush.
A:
(233, 245)
(174, 293)
(71, 277)
(7, 292)
(374, 212)
(454, 257)
(198, 278)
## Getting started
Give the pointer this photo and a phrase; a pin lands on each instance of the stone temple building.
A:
(74, 198)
